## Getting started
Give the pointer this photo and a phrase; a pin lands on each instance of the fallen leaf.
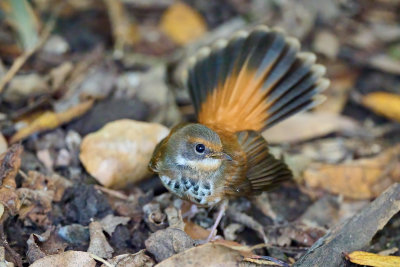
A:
(358, 179)
(22, 87)
(3, 262)
(66, 259)
(139, 259)
(110, 222)
(10, 161)
(98, 242)
(385, 63)
(119, 153)
(219, 253)
(196, 231)
(35, 205)
(40, 246)
(182, 23)
(50, 120)
(305, 126)
(383, 103)
(327, 44)
(174, 217)
(3, 144)
(167, 242)
(371, 259)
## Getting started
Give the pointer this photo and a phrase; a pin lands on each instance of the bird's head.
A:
(192, 146)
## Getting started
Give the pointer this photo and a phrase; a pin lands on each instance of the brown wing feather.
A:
(253, 81)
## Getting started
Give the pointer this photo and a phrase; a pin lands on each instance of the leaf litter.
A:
(83, 109)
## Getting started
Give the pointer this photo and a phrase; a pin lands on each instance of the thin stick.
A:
(101, 260)
(21, 60)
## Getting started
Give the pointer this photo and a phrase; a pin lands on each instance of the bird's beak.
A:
(220, 155)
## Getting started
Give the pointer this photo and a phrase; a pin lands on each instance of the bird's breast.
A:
(198, 191)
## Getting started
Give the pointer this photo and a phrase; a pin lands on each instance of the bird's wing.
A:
(264, 171)
(253, 80)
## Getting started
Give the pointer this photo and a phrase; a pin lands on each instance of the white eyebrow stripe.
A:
(206, 164)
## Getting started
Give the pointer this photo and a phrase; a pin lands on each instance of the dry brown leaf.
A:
(359, 179)
(182, 23)
(119, 153)
(383, 103)
(48, 243)
(66, 259)
(219, 253)
(3, 144)
(305, 126)
(139, 259)
(50, 120)
(98, 242)
(10, 161)
(196, 231)
(110, 222)
(371, 259)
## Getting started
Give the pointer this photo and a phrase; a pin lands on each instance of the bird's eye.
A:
(200, 148)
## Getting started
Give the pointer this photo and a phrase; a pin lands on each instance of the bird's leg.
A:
(221, 212)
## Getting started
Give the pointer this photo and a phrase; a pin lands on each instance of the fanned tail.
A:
(253, 81)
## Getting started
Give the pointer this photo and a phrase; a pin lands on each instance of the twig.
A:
(101, 260)
(3, 242)
(21, 60)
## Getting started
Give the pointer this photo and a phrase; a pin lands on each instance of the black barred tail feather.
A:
(253, 81)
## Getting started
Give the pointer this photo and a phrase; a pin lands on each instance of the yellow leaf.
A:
(371, 259)
(182, 23)
(386, 104)
(50, 120)
(358, 179)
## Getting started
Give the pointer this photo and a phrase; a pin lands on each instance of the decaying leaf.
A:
(40, 246)
(119, 153)
(167, 242)
(358, 179)
(3, 262)
(182, 23)
(218, 253)
(305, 126)
(50, 120)
(110, 222)
(98, 242)
(383, 103)
(10, 161)
(371, 259)
(3, 144)
(196, 231)
(66, 259)
(139, 259)
(24, 86)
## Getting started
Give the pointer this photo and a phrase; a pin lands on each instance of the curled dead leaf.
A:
(383, 103)
(358, 179)
(10, 161)
(98, 242)
(139, 259)
(371, 259)
(50, 120)
(182, 23)
(119, 153)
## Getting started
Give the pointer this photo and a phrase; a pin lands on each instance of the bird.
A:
(239, 87)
